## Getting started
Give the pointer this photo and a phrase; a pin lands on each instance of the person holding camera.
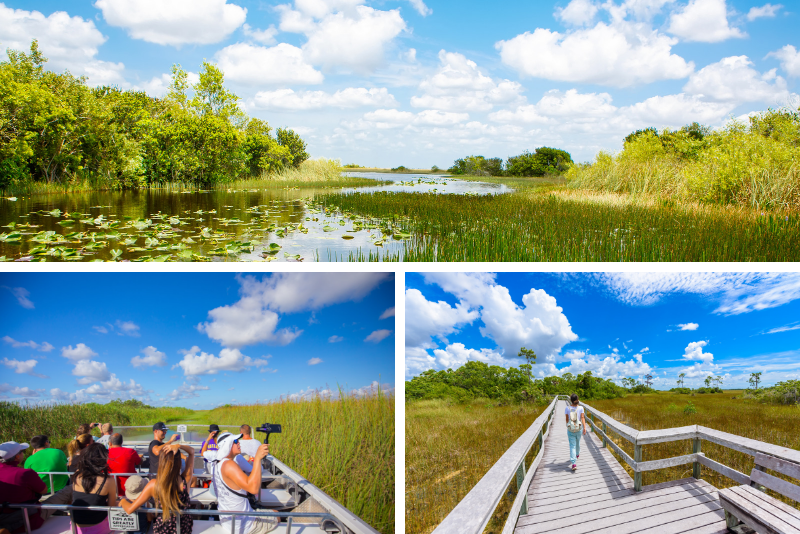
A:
(233, 487)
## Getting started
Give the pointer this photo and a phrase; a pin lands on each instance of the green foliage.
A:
(787, 392)
(400, 168)
(352, 166)
(479, 380)
(477, 166)
(54, 129)
(543, 160)
(708, 390)
(689, 409)
(682, 391)
(435, 169)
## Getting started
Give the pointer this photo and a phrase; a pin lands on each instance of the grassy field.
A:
(550, 223)
(345, 447)
(775, 424)
(449, 447)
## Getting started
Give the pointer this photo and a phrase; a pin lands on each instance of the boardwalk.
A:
(598, 497)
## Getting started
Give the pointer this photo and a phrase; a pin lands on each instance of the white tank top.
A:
(228, 499)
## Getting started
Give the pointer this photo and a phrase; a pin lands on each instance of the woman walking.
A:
(92, 487)
(576, 426)
(170, 489)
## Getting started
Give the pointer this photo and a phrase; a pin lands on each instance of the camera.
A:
(269, 428)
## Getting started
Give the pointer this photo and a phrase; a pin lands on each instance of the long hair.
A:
(168, 483)
(78, 444)
(92, 463)
(573, 398)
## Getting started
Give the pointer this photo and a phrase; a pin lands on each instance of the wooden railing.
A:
(696, 433)
(472, 514)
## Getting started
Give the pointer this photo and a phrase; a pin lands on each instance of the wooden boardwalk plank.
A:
(599, 496)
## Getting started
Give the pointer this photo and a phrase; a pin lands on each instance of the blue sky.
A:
(194, 339)
(613, 324)
(422, 82)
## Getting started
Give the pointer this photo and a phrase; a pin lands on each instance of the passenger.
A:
(86, 428)
(248, 444)
(122, 460)
(210, 445)
(232, 487)
(74, 449)
(133, 488)
(107, 430)
(17, 484)
(170, 489)
(44, 459)
(93, 487)
(575, 422)
(159, 433)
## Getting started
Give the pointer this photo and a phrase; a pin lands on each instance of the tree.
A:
(648, 380)
(297, 147)
(755, 378)
(211, 96)
(708, 380)
(543, 160)
(530, 357)
(681, 377)
(629, 382)
(718, 380)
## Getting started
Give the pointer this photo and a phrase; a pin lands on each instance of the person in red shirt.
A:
(17, 484)
(121, 460)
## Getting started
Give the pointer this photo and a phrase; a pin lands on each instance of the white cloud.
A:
(41, 347)
(128, 328)
(351, 97)
(678, 109)
(604, 366)
(732, 79)
(455, 355)
(152, 357)
(25, 367)
(618, 55)
(694, 352)
(68, 43)
(767, 10)
(20, 293)
(421, 8)
(257, 65)
(335, 339)
(689, 326)
(703, 21)
(787, 328)
(426, 319)
(378, 335)
(561, 105)
(187, 391)
(246, 323)
(328, 394)
(20, 391)
(80, 352)
(176, 22)
(577, 12)
(789, 57)
(90, 371)
(265, 37)
(314, 361)
(389, 312)
(429, 117)
(101, 329)
(701, 370)
(195, 362)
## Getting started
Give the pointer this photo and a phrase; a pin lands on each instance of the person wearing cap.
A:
(232, 486)
(210, 444)
(107, 430)
(45, 459)
(133, 488)
(17, 484)
(159, 433)
(121, 460)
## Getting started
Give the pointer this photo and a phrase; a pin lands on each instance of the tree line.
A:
(56, 129)
(540, 162)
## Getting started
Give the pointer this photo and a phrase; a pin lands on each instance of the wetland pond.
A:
(265, 224)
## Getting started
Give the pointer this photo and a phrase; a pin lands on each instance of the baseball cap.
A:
(213, 428)
(9, 449)
(160, 426)
(134, 487)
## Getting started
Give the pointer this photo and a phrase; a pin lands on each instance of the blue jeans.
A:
(574, 445)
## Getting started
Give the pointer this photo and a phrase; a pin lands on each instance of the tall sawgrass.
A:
(449, 447)
(345, 446)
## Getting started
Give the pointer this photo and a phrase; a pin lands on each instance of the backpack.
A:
(574, 424)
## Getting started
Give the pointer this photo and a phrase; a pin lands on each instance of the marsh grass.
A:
(449, 447)
(344, 446)
(727, 412)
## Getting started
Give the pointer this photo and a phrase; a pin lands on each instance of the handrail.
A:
(471, 515)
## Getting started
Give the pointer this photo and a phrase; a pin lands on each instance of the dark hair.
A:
(92, 463)
(85, 428)
(573, 398)
(116, 439)
(38, 442)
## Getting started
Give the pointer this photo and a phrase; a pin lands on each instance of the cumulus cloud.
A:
(265, 37)
(282, 64)
(765, 11)
(694, 352)
(609, 366)
(68, 43)
(196, 362)
(351, 97)
(20, 293)
(732, 79)
(704, 21)
(19, 391)
(187, 391)
(80, 352)
(176, 22)
(789, 57)
(335, 339)
(328, 394)
(389, 312)
(421, 8)
(457, 354)
(90, 371)
(689, 326)
(426, 319)
(41, 347)
(392, 118)
(577, 13)
(314, 361)
(619, 55)
(22, 367)
(378, 335)
(152, 357)
(128, 328)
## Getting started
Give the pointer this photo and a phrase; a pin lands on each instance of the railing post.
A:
(759, 487)
(541, 440)
(637, 475)
(520, 480)
(27, 520)
(605, 433)
(696, 471)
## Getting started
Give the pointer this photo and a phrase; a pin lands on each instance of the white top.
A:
(249, 446)
(104, 440)
(246, 466)
(579, 409)
(228, 499)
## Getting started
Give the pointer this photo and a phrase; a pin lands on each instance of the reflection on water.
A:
(275, 224)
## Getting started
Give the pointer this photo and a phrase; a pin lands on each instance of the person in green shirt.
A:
(45, 459)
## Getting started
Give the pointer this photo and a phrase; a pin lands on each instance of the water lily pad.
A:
(66, 222)
(115, 253)
(347, 236)
(327, 228)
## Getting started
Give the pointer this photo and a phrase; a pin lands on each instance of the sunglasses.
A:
(236, 442)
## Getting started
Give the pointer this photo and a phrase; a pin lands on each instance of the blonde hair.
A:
(168, 484)
(107, 428)
(78, 444)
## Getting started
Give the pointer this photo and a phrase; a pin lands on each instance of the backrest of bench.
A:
(787, 489)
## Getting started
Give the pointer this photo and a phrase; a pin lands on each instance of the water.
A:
(271, 224)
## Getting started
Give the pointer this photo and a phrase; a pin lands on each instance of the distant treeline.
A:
(540, 162)
(787, 392)
(479, 380)
(55, 129)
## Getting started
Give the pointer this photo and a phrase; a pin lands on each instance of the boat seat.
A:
(270, 498)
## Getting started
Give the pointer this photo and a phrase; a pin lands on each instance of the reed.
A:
(449, 447)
